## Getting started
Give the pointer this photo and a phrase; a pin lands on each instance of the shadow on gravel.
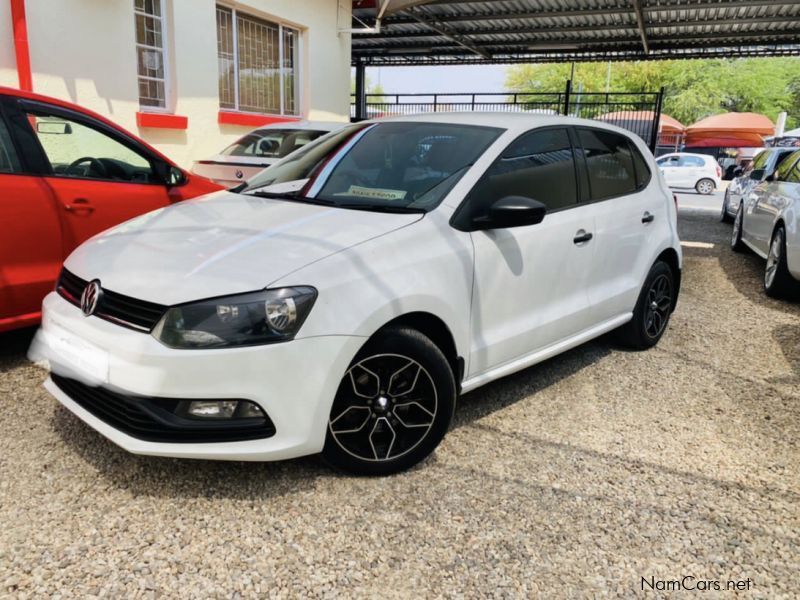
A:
(513, 388)
(14, 347)
(185, 478)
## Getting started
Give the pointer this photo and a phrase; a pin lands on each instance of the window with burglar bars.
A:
(257, 64)
(149, 15)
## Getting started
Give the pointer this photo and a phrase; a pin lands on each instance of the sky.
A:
(461, 78)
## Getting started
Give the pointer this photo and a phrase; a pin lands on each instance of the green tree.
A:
(694, 89)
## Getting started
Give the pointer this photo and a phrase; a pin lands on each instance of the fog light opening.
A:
(224, 409)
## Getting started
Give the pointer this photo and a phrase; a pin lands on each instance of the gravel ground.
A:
(577, 477)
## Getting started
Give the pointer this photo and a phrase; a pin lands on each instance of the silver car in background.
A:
(254, 152)
(762, 167)
(768, 222)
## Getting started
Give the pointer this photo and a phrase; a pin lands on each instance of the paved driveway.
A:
(578, 477)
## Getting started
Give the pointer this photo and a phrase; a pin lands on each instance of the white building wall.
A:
(83, 51)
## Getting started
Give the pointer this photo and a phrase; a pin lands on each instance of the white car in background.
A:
(262, 147)
(424, 257)
(685, 170)
(768, 222)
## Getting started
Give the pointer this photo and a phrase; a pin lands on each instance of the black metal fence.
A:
(638, 112)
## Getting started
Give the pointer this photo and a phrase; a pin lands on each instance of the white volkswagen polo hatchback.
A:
(344, 299)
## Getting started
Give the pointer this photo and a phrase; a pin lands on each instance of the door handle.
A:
(648, 217)
(581, 237)
(79, 204)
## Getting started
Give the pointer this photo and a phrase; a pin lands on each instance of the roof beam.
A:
(637, 7)
(448, 33)
(404, 18)
(394, 35)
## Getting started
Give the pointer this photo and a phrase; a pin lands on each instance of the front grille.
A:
(153, 419)
(123, 310)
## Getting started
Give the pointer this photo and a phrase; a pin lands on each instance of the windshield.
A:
(272, 143)
(391, 165)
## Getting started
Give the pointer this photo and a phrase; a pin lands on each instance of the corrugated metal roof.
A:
(505, 31)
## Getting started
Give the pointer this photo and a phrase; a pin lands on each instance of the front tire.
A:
(653, 310)
(778, 282)
(705, 187)
(393, 406)
(737, 245)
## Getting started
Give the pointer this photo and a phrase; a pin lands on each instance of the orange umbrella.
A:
(729, 130)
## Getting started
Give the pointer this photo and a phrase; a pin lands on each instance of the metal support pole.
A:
(361, 91)
(567, 91)
(656, 121)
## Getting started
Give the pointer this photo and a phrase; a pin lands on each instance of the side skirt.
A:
(538, 356)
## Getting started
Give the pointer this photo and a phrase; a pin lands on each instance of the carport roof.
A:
(414, 32)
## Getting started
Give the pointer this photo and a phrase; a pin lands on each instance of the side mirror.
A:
(511, 211)
(169, 174)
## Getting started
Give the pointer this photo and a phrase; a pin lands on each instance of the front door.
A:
(98, 180)
(30, 238)
(530, 281)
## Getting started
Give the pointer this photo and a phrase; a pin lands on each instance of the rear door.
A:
(99, 176)
(530, 281)
(630, 216)
(30, 231)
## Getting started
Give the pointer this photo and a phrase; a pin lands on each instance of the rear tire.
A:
(737, 245)
(705, 187)
(652, 311)
(778, 282)
(393, 406)
(724, 216)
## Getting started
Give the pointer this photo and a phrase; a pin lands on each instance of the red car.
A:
(66, 174)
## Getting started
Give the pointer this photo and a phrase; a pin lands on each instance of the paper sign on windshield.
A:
(376, 193)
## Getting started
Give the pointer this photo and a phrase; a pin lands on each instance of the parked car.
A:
(66, 174)
(260, 148)
(684, 170)
(768, 222)
(422, 258)
(763, 166)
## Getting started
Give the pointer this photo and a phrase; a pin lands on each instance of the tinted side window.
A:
(640, 164)
(780, 160)
(609, 162)
(794, 174)
(9, 163)
(538, 165)
(786, 166)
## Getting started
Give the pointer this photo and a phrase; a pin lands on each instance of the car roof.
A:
(698, 155)
(301, 126)
(7, 91)
(511, 121)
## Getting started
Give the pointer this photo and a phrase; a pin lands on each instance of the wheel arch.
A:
(439, 333)
(670, 257)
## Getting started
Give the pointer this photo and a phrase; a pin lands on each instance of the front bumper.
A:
(294, 382)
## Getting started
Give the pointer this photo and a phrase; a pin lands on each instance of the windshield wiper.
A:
(383, 208)
(291, 197)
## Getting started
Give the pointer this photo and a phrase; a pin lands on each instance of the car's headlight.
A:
(243, 320)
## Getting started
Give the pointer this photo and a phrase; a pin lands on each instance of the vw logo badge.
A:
(90, 297)
(239, 174)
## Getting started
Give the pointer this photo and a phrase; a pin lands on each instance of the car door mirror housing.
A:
(169, 174)
(511, 211)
